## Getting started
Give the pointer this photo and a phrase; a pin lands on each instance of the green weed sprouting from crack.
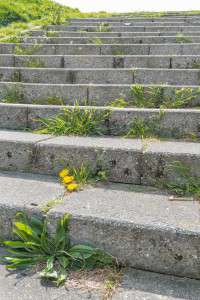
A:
(181, 38)
(51, 204)
(84, 175)
(118, 52)
(13, 95)
(196, 64)
(154, 97)
(152, 127)
(146, 128)
(96, 41)
(103, 27)
(49, 101)
(30, 50)
(183, 184)
(35, 246)
(16, 76)
(34, 63)
(52, 33)
(75, 121)
(121, 103)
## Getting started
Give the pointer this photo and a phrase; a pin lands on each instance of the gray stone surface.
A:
(175, 122)
(101, 76)
(140, 285)
(102, 61)
(109, 40)
(140, 226)
(60, 33)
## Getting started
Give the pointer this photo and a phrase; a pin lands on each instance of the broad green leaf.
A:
(15, 244)
(63, 260)
(50, 262)
(81, 251)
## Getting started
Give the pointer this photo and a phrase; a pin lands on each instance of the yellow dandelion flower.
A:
(68, 179)
(63, 173)
(72, 187)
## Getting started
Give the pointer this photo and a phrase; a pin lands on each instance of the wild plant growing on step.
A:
(183, 184)
(51, 33)
(75, 121)
(121, 103)
(35, 246)
(30, 50)
(13, 95)
(34, 63)
(96, 41)
(49, 101)
(154, 97)
(181, 38)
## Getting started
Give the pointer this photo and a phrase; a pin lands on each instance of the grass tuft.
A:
(75, 121)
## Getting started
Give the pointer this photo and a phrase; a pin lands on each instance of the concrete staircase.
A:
(97, 61)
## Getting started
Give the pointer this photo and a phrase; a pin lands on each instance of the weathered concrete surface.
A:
(108, 40)
(140, 285)
(139, 28)
(137, 285)
(101, 76)
(102, 61)
(177, 123)
(60, 33)
(140, 226)
(94, 94)
(112, 49)
(126, 160)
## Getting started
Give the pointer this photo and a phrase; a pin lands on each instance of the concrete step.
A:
(137, 23)
(132, 24)
(135, 161)
(92, 49)
(96, 94)
(149, 28)
(101, 61)
(174, 123)
(138, 19)
(136, 284)
(101, 76)
(140, 226)
(113, 40)
(61, 33)
(140, 285)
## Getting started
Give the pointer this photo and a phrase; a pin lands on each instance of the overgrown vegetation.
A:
(75, 121)
(13, 95)
(181, 38)
(34, 63)
(155, 97)
(30, 50)
(19, 15)
(35, 246)
(51, 100)
(182, 184)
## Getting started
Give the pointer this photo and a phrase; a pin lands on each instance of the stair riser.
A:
(98, 76)
(60, 33)
(137, 23)
(177, 124)
(125, 28)
(139, 19)
(103, 40)
(139, 162)
(99, 61)
(156, 49)
(99, 95)
(161, 247)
